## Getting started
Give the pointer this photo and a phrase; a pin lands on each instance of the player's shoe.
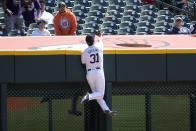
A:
(110, 113)
(85, 98)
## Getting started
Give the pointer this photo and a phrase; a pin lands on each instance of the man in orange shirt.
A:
(64, 21)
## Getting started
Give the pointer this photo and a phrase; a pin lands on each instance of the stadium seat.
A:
(2, 20)
(149, 13)
(79, 8)
(67, 2)
(99, 2)
(161, 29)
(51, 31)
(2, 14)
(13, 33)
(93, 19)
(114, 13)
(115, 7)
(79, 14)
(1, 32)
(162, 24)
(143, 29)
(78, 32)
(29, 32)
(97, 7)
(141, 33)
(49, 9)
(50, 26)
(132, 7)
(91, 25)
(125, 31)
(117, 2)
(131, 13)
(111, 19)
(129, 18)
(96, 13)
(88, 31)
(109, 31)
(133, 2)
(149, 7)
(193, 22)
(147, 18)
(159, 33)
(50, 3)
(33, 26)
(165, 12)
(165, 18)
(109, 25)
(145, 24)
(55, 9)
(79, 26)
(85, 3)
(127, 24)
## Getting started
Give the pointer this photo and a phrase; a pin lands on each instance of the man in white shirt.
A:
(44, 14)
(92, 57)
(178, 28)
(41, 31)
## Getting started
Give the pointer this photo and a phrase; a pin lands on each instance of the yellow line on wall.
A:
(106, 51)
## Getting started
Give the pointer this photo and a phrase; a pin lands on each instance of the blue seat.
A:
(129, 18)
(100, 2)
(133, 2)
(79, 8)
(127, 24)
(97, 7)
(125, 31)
(131, 13)
(109, 25)
(93, 19)
(147, 18)
(115, 7)
(111, 19)
(143, 29)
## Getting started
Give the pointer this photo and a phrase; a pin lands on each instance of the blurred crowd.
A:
(22, 13)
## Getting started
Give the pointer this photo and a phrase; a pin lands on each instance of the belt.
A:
(94, 69)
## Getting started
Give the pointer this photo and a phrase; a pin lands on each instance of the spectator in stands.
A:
(44, 14)
(13, 16)
(31, 10)
(179, 29)
(64, 21)
(41, 31)
(180, 3)
(193, 29)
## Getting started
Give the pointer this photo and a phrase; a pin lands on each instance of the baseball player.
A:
(92, 57)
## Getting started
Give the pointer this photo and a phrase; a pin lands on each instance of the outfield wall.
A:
(152, 87)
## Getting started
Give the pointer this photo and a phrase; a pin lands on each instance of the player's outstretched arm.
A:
(100, 35)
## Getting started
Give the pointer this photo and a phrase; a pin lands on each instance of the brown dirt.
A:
(20, 103)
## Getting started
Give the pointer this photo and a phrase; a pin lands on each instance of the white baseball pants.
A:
(96, 80)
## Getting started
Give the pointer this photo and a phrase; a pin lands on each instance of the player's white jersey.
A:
(92, 57)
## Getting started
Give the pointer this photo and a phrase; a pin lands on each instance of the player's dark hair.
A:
(90, 39)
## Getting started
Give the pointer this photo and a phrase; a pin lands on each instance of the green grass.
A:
(169, 113)
(36, 119)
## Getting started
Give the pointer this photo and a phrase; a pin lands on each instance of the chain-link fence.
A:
(141, 106)
(154, 106)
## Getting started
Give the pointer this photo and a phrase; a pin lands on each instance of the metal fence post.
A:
(108, 95)
(4, 126)
(148, 112)
(50, 114)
